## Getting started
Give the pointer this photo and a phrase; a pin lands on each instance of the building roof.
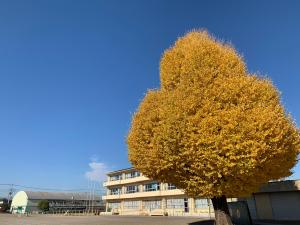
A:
(36, 195)
(120, 171)
(280, 186)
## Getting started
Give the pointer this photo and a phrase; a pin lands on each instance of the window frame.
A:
(156, 187)
(132, 189)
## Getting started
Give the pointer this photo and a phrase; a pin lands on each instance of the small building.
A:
(277, 200)
(59, 202)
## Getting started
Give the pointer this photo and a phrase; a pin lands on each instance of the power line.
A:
(43, 188)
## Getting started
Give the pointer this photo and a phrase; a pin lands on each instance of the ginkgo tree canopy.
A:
(212, 128)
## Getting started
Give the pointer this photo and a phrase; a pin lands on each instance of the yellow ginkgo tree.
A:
(212, 128)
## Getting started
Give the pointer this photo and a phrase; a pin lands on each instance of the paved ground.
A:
(270, 222)
(8, 219)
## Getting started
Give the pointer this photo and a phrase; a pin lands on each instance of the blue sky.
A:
(73, 72)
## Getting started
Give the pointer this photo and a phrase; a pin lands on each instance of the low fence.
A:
(29, 210)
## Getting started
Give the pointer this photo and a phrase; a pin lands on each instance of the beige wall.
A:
(141, 210)
(163, 195)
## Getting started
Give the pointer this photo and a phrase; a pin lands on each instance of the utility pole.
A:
(10, 192)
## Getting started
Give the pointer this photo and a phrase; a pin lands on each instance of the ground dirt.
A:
(8, 219)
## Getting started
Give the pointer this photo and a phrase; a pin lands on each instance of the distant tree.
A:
(4, 205)
(43, 205)
(212, 128)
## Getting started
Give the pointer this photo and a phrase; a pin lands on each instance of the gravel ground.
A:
(8, 219)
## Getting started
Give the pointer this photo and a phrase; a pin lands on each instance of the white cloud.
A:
(98, 171)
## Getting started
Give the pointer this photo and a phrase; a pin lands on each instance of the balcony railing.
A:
(125, 181)
(144, 194)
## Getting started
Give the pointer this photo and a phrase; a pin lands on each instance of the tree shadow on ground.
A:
(203, 222)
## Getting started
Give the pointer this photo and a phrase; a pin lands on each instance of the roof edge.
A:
(121, 170)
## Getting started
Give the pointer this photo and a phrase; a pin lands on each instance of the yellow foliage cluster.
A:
(212, 128)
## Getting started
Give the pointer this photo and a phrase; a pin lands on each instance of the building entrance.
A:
(186, 205)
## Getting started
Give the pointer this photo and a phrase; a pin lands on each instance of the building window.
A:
(132, 174)
(152, 187)
(202, 203)
(132, 189)
(114, 205)
(152, 204)
(175, 203)
(115, 191)
(131, 204)
(116, 177)
(171, 187)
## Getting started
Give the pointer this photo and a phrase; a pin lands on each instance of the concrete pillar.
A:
(163, 186)
(106, 206)
(122, 207)
(141, 188)
(210, 208)
(191, 205)
(164, 204)
(142, 205)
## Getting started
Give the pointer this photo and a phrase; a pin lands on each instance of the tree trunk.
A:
(221, 211)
